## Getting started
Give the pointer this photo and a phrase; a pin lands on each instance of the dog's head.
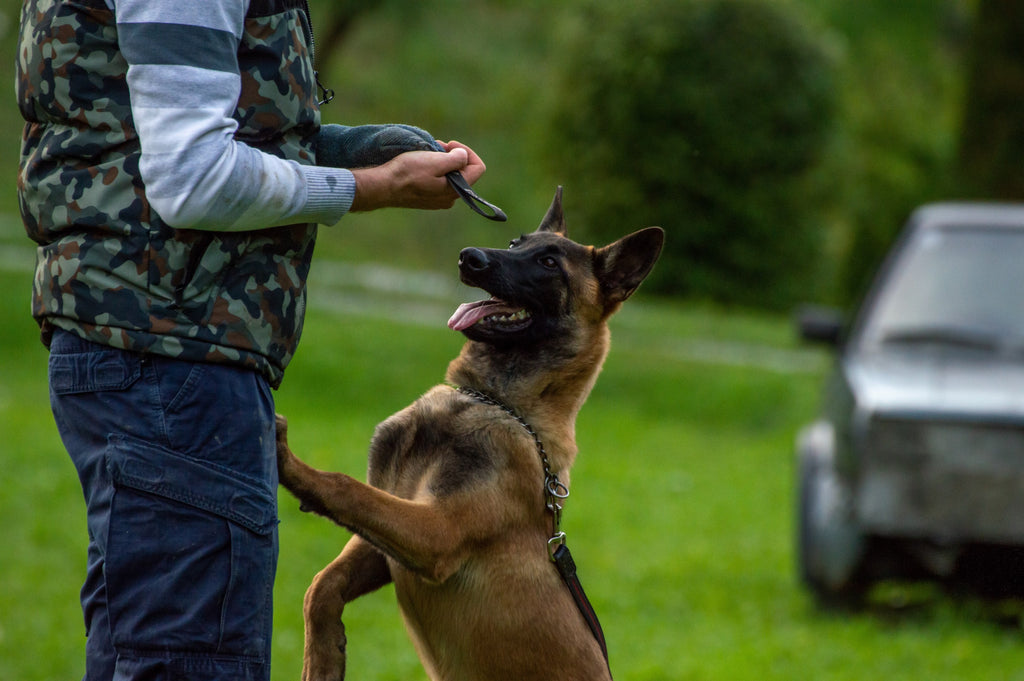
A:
(544, 285)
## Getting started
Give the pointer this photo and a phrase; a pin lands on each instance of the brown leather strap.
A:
(567, 568)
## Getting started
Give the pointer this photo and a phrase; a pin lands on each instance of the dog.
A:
(465, 485)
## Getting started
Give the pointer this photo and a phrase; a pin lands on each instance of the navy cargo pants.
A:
(177, 463)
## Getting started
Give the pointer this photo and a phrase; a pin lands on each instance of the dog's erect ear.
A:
(554, 221)
(623, 265)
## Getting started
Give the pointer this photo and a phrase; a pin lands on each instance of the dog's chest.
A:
(431, 447)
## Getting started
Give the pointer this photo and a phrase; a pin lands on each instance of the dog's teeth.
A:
(505, 318)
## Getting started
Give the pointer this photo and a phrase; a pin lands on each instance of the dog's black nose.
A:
(473, 259)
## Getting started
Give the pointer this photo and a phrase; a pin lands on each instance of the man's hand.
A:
(416, 179)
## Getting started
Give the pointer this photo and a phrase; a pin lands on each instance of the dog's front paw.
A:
(284, 454)
(291, 471)
(281, 426)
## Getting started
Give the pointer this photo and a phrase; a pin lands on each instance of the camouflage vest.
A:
(109, 269)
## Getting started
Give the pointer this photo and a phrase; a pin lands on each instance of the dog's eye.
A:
(549, 262)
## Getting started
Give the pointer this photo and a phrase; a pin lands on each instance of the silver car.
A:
(915, 467)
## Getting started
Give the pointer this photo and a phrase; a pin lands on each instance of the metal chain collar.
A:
(555, 490)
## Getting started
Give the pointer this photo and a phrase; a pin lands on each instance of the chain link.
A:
(555, 491)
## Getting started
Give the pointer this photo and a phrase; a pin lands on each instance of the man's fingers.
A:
(474, 166)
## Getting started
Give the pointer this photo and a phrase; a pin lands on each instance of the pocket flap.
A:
(151, 468)
(100, 370)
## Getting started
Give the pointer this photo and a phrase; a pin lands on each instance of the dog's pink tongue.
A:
(469, 314)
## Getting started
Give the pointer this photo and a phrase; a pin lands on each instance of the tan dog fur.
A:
(454, 513)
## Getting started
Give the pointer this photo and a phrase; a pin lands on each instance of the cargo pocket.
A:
(191, 554)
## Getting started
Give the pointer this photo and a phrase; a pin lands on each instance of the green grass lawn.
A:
(680, 518)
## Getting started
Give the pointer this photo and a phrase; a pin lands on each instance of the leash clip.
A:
(326, 93)
(555, 491)
(554, 544)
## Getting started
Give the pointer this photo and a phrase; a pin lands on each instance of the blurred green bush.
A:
(707, 117)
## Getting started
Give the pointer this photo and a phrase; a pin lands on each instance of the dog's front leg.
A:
(293, 473)
(358, 570)
(427, 538)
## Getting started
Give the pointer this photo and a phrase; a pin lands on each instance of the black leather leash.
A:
(485, 208)
(555, 492)
(567, 568)
(472, 199)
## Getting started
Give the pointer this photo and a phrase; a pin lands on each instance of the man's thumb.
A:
(459, 158)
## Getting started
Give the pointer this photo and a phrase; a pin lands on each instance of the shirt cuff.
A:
(329, 193)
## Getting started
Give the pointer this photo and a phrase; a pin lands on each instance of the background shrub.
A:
(706, 117)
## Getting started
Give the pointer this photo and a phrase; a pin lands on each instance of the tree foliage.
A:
(899, 120)
(706, 117)
(992, 134)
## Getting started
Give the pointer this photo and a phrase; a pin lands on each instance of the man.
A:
(169, 176)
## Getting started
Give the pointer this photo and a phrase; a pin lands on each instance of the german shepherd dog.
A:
(456, 512)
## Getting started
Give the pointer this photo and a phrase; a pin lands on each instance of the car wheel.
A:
(831, 545)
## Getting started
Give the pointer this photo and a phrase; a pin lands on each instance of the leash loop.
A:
(473, 200)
